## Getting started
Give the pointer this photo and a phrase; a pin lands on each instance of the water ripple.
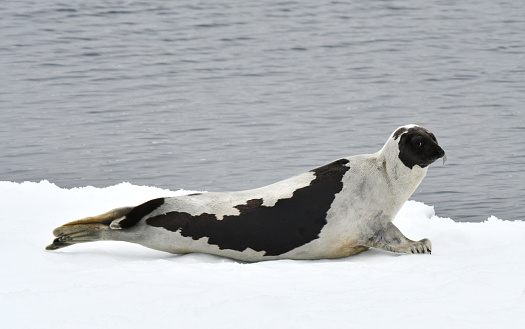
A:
(227, 96)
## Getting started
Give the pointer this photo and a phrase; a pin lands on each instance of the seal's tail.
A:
(87, 229)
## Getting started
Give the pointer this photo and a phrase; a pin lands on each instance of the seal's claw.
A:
(418, 247)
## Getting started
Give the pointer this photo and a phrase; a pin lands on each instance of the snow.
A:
(475, 277)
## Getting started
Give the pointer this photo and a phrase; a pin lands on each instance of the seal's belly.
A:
(174, 242)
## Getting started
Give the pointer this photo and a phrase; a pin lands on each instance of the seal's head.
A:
(417, 146)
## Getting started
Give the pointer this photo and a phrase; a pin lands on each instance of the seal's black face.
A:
(418, 146)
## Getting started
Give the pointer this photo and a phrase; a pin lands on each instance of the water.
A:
(231, 95)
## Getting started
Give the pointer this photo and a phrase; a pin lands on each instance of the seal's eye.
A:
(417, 143)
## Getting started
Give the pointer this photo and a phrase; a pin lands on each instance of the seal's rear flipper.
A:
(86, 230)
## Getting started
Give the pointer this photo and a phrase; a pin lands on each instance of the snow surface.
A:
(475, 277)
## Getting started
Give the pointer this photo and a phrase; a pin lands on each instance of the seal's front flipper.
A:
(87, 229)
(391, 239)
(423, 246)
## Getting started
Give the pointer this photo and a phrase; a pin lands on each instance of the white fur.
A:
(222, 203)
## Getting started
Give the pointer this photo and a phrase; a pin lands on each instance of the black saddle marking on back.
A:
(289, 224)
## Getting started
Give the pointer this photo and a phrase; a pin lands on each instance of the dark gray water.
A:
(229, 95)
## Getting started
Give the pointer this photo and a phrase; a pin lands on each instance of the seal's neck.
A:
(402, 180)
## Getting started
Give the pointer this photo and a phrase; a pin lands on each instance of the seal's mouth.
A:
(439, 154)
